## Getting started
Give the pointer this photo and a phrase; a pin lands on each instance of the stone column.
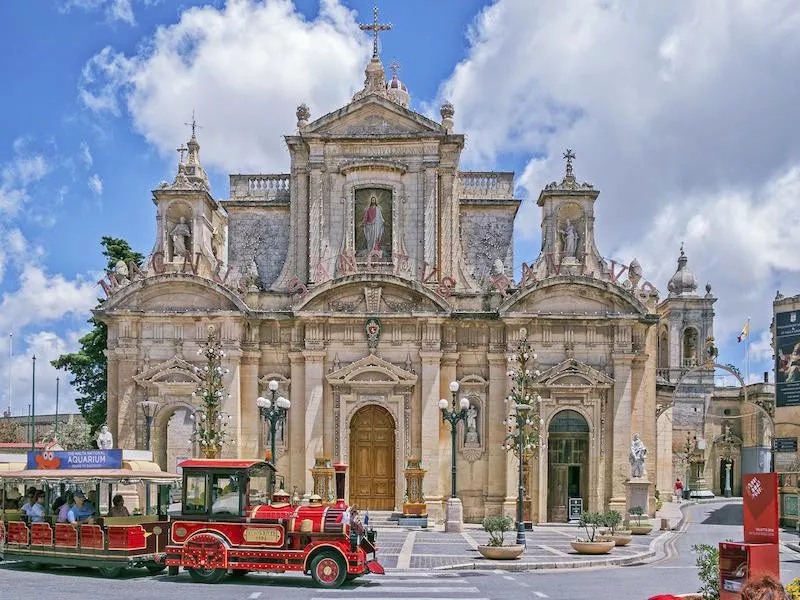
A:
(314, 219)
(431, 212)
(314, 378)
(128, 409)
(250, 425)
(430, 423)
(497, 458)
(621, 418)
(298, 467)
(112, 402)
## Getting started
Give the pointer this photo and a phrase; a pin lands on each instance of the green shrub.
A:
(708, 570)
(497, 527)
(637, 511)
(612, 519)
(590, 521)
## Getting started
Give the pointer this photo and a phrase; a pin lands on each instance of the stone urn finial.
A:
(303, 115)
(447, 111)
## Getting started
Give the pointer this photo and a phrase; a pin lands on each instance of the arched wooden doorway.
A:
(372, 475)
(568, 463)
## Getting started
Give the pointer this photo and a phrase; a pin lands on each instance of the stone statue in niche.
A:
(180, 238)
(570, 240)
(637, 456)
(471, 438)
(105, 441)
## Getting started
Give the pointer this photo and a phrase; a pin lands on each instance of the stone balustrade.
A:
(263, 187)
(486, 185)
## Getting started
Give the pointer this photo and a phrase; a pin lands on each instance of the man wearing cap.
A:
(81, 511)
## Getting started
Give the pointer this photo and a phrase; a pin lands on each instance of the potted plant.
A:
(496, 549)
(591, 545)
(639, 528)
(620, 536)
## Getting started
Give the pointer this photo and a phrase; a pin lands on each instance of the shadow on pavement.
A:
(730, 514)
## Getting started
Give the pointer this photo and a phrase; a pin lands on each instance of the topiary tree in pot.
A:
(497, 527)
(590, 521)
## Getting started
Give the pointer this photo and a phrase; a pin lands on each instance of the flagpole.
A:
(10, 357)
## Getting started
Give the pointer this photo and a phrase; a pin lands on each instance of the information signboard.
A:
(785, 444)
(760, 491)
(787, 358)
(75, 459)
(575, 508)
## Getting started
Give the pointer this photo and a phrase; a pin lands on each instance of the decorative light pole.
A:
(274, 412)
(149, 409)
(524, 424)
(457, 412)
(33, 405)
(211, 432)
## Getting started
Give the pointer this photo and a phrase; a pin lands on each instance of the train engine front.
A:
(233, 522)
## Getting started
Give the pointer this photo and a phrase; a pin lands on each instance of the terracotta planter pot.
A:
(501, 552)
(641, 529)
(622, 540)
(592, 547)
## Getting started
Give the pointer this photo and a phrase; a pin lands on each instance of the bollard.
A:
(664, 524)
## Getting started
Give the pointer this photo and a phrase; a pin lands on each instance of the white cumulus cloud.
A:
(244, 68)
(96, 184)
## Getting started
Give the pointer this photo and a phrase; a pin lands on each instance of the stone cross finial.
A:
(193, 124)
(375, 27)
(395, 67)
(569, 156)
(181, 149)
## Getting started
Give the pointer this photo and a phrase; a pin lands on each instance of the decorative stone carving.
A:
(180, 235)
(637, 456)
(373, 298)
(105, 441)
(303, 115)
(372, 329)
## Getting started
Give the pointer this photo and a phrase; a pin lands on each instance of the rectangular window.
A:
(225, 494)
(261, 484)
(196, 497)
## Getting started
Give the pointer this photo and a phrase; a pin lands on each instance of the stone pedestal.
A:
(638, 494)
(414, 506)
(322, 474)
(454, 516)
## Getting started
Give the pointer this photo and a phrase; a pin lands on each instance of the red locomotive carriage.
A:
(232, 521)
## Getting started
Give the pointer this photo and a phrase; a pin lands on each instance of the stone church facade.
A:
(369, 278)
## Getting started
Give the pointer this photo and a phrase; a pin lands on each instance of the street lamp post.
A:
(455, 413)
(521, 414)
(149, 409)
(33, 405)
(273, 411)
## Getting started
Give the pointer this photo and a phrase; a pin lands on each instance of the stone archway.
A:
(372, 458)
(171, 434)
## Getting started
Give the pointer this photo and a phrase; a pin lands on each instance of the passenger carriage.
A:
(233, 522)
(109, 544)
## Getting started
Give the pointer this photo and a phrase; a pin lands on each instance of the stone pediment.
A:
(373, 115)
(370, 297)
(175, 371)
(573, 373)
(372, 371)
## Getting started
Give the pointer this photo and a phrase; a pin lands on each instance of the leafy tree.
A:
(10, 432)
(88, 365)
(72, 435)
(707, 570)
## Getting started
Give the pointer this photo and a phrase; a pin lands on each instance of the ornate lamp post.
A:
(274, 412)
(457, 412)
(728, 443)
(211, 431)
(521, 411)
(149, 409)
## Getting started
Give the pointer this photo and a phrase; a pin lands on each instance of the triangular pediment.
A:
(172, 371)
(372, 370)
(373, 115)
(573, 373)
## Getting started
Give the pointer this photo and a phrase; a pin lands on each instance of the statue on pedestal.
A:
(105, 441)
(637, 456)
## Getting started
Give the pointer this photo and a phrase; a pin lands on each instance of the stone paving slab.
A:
(547, 548)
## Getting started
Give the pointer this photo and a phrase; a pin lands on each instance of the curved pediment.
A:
(573, 295)
(573, 374)
(374, 371)
(370, 295)
(176, 370)
(174, 292)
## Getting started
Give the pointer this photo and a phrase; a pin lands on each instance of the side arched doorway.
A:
(372, 459)
(567, 463)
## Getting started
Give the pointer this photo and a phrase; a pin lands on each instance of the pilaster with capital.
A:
(250, 425)
(430, 422)
(621, 418)
(497, 473)
(314, 410)
(298, 465)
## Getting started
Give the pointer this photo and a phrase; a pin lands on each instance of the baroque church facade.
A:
(369, 278)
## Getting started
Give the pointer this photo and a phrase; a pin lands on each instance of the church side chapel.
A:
(370, 281)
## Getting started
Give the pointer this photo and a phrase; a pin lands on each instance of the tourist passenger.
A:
(28, 506)
(118, 508)
(69, 502)
(12, 499)
(35, 510)
(81, 511)
(765, 588)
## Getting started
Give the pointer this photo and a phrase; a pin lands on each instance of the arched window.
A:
(663, 350)
(569, 421)
(690, 347)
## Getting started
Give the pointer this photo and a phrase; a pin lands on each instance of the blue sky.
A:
(680, 114)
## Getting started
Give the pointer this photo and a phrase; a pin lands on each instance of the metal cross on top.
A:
(375, 27)
(193, 124)
(181, 149)
(569, 156)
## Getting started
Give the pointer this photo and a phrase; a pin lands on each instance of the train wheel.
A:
(207, 575)
(156, 568)
(110, 572)
(328, 569)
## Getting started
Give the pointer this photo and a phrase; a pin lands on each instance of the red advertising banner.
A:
(760, 492)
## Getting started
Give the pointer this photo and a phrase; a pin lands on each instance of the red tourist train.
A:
(231, 522)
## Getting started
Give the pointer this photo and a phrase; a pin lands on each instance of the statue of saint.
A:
(570, 235)
(637, 456)
(105, 441)
(180, 238)
(373, 222)
(472, 418)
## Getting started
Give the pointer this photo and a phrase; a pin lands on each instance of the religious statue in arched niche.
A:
(373, 224)
(471, 429)
(180, 235)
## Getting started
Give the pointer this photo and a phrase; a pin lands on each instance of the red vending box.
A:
(740, 562)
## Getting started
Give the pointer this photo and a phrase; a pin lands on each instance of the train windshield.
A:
(261, 486)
